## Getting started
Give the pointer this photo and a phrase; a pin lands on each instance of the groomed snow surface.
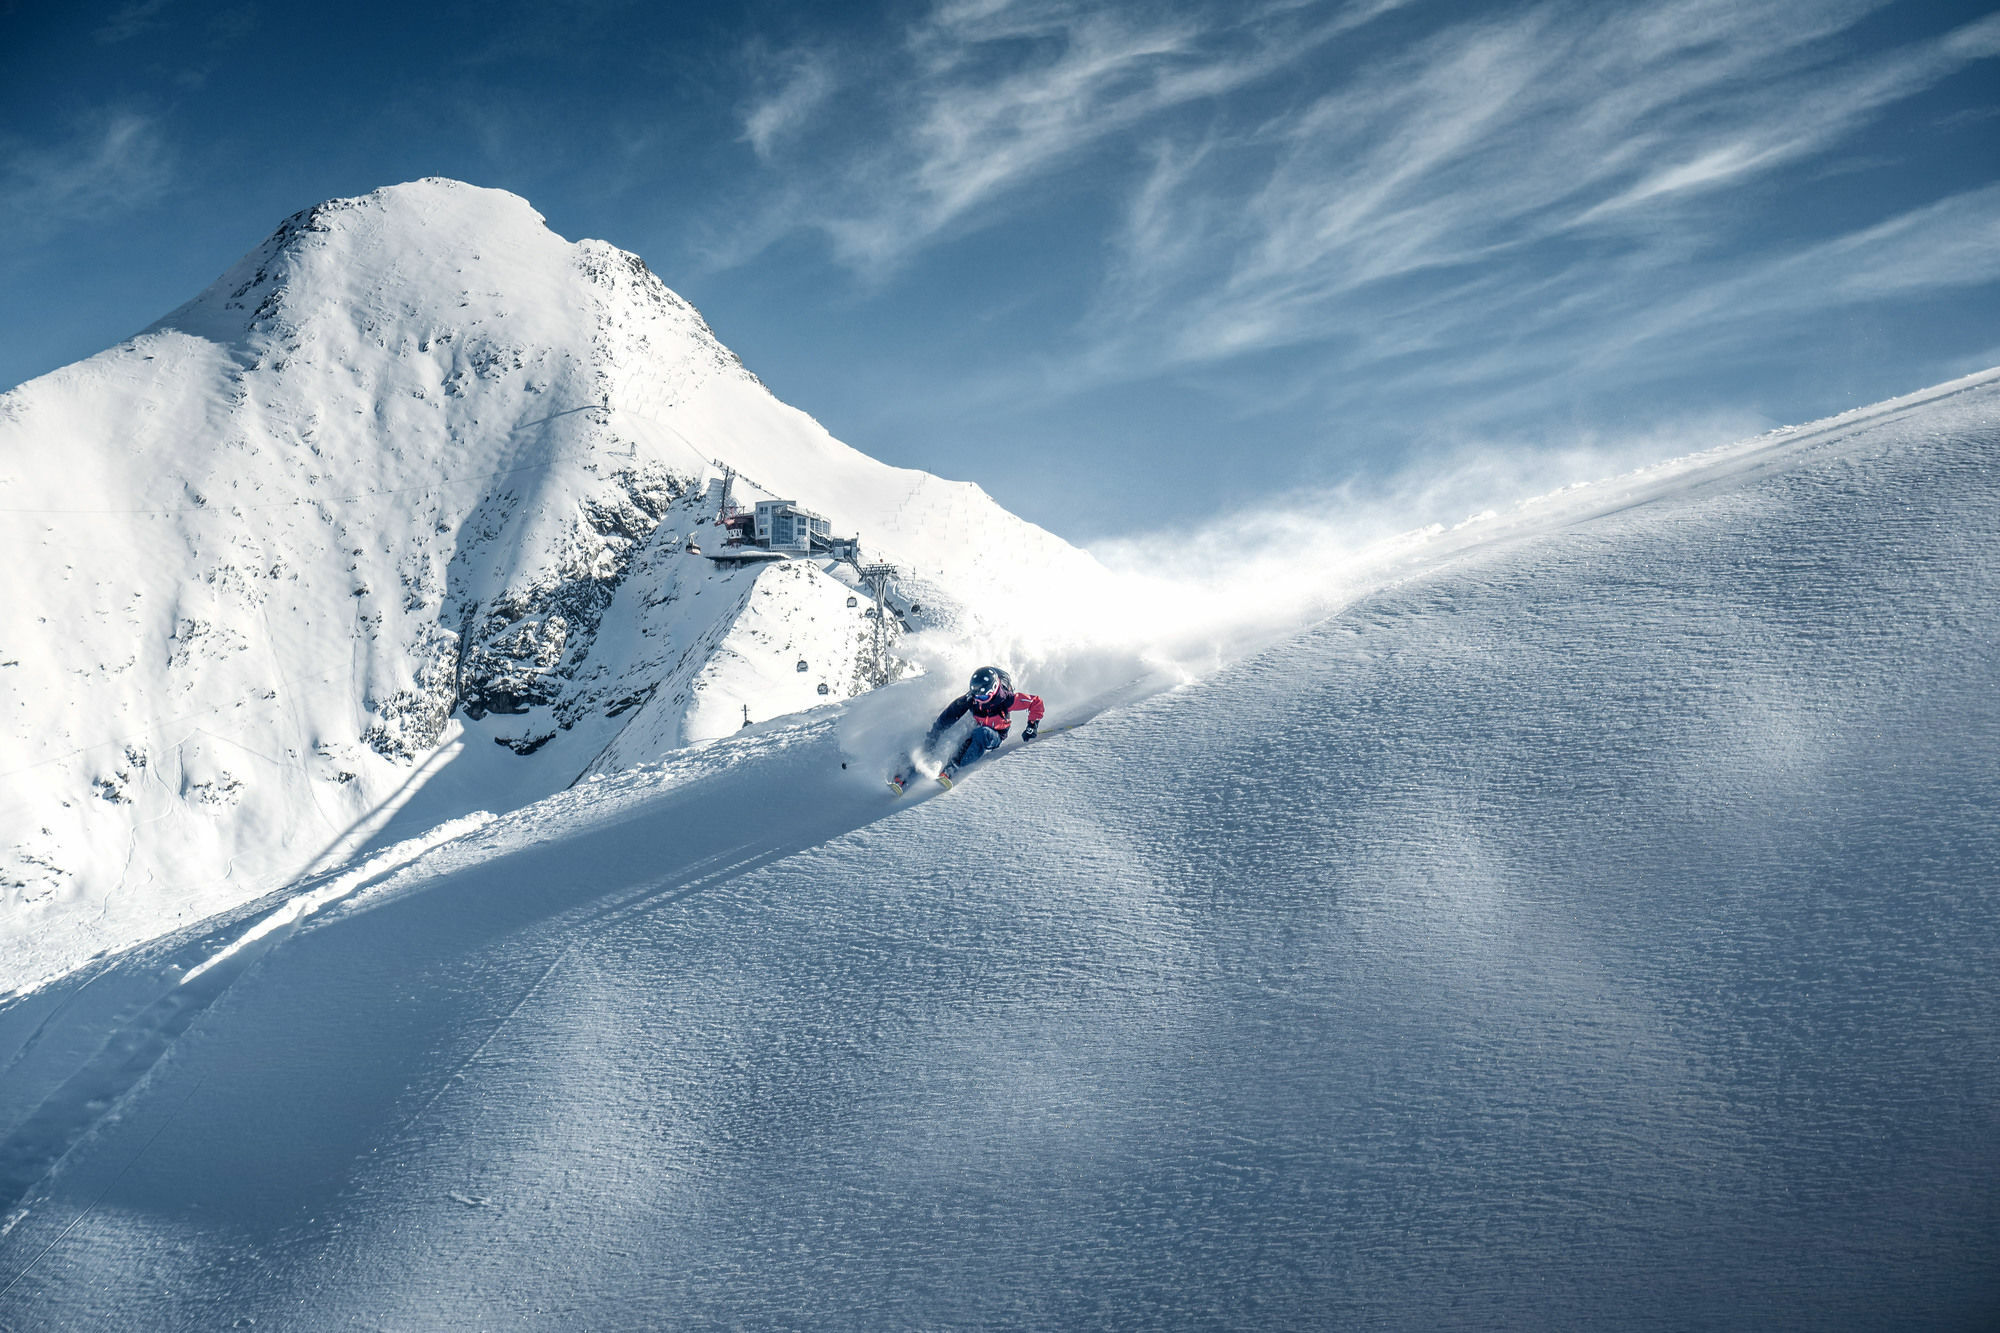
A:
(1593, 927)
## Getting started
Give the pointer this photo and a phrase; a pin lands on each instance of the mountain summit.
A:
(405, 501)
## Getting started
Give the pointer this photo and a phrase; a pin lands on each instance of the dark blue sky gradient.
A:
(1121, 265)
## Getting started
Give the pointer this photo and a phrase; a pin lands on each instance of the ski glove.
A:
(1029, 734)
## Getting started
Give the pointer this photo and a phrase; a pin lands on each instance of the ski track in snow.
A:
(1590, 926)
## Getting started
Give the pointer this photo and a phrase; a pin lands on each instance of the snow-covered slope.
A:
(406, 491)
(1593, 927)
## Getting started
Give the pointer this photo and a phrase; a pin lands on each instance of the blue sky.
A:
(1124, 265)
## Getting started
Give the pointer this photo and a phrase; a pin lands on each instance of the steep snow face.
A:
(414, 479)
(794, 638)
(1593, 928)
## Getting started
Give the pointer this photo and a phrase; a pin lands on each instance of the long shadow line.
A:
(39, 1143)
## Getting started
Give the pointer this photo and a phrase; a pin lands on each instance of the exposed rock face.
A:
(523, 646)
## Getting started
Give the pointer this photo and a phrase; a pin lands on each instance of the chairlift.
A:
(823, 689)
(802, 665)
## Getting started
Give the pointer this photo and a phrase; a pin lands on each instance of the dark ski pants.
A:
(976, 745)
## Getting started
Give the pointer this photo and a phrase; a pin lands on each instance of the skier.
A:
(990, 699)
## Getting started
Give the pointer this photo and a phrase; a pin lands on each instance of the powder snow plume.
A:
(1166, 609)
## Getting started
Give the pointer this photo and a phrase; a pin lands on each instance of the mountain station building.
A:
(782, 525)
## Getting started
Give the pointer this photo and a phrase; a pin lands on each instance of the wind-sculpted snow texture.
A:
(407, 490)
(1597, 930)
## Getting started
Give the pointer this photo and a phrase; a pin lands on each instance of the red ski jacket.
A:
(993, 713)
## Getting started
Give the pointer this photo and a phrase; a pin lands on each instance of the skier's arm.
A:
(1031, 702)
(953, 712)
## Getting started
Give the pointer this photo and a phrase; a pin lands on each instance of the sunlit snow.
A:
(1584, 917)
(397, 511)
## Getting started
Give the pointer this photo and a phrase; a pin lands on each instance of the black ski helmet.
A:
(988, 681)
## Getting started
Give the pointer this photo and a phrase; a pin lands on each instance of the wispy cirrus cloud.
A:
(803, 81)
(1492, 354)
(1536, 142)
(1415, 203)
(1950, 244)
(117, 160)
(131, 20)
(985, 99)
(1516, 196)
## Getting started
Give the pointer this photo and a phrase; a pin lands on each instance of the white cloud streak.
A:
(992, 97)
(1527, 198)
(1495, 139)
(119, 162)
(806, 82)
(1483, 202)
(132, 20)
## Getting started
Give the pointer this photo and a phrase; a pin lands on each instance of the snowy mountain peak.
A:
(438, 257)
(402, 505)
